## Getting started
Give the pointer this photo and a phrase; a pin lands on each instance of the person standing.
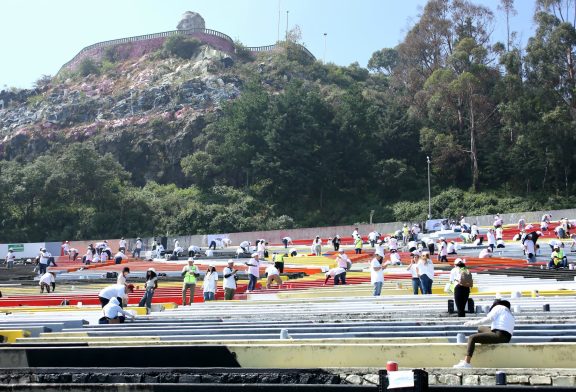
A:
(358, 243)
(10, 258)
(317, 246)
(530, 249)
(137, 248)
(500, 331)
(43, 261)
(189, 273)
(377, 274)
(405, 234)
(413, 268)
(122, 245)
(336, 243)
(460, 278)
(123, 276)
(66, 249)
(210, 283)
(229, 281)
(491, 237)
(150, 287)
(278, 259)
(425, 269)
(253, 271)
(443, 251)
(521, 224)
(431, 246)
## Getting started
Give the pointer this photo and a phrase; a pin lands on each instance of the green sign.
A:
(16, 247)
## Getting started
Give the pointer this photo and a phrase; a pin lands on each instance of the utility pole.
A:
(429, 192)
(278, 39)
(287, 12)
(324, 58)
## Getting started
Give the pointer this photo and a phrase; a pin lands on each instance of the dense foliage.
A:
(308, 143)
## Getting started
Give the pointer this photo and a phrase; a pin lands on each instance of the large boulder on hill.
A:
(191, 20)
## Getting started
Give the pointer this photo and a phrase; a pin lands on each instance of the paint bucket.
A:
(391, 366)
(283, 334)
(570, 266)
(460, 338)
(546, 307)
(500, 378)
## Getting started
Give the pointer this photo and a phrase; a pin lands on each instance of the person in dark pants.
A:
(500, 330)
(461, 293)
(212, 245)
(336, 243)
(339, 275)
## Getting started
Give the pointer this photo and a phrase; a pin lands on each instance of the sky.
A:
(38, 36)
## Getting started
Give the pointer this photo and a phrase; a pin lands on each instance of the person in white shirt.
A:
(159, 250)
(137, 248)
(431, 245)
(66, 249)
(316, 247)
(379, 248)
(253, 271)
(72, 254)
(50, 258)
(373, 237)
(521, 224)
(395, 258)
(245, 245)
(425, 269)
(178, 250)
(273, 276)
(414, 272)
(339, 275)
(529, 249)
(500, 331)
(474, 231)
(113, 311)
(10, 258)
(293, 252)
(115, 291)
(355, 233)
(150, 287)
(500, 243)
(287, 241)
(210, 283)
(392, 244)
(209, 252)
(343, 260)
(103, 257)
(498, 233)
(377, 274)
(122, 245)
(485, 253)
(43, 261)
(451, 248)
(118, 257)
(443, 251)
(46, 281)
(412, 246)
(490, 236)
(123, 276)
(261, 249)
(96, 258)
(229, 276)
(88, 256)
(193, 250)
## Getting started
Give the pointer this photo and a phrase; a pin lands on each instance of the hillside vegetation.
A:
(181, 142)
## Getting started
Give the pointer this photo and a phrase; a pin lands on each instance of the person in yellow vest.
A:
(557, 259)
(358, 243)
(189, 273)
(278, 259)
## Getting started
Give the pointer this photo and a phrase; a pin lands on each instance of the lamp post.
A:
(287, 13)
(371, 215)
(324, 57)
(429, 192)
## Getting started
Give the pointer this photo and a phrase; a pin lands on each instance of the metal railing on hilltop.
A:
(172, 33)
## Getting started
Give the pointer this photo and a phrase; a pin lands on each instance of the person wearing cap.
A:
(66, 249)
(193, 250)
(253, 271)
(229, 278)
(10, 257)
(557, 259)
(339, 275)
(413, 268)
(113, 313)
(123, 276)
(46, 281)
(115, 291)
(137, 248)
(425, 270)
(210, 283)
(189, 273)
(461, 293)
(149, 288)
(43, 261)
(501, 329)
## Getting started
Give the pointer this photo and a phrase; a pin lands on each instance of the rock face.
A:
(191, 20)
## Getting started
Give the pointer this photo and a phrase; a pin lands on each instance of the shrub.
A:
(181, 46)
(88, 67)
(242, 52)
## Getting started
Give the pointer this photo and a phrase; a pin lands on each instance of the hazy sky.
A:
(38, 36)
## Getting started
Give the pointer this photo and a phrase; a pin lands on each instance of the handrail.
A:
(173, 33)
(147, 37)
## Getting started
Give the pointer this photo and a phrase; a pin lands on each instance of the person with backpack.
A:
(500, 330)
(460, 284)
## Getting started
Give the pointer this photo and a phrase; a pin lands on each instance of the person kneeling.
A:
(114, 314)
(557, 259)
(47, 280)
(500, 330)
